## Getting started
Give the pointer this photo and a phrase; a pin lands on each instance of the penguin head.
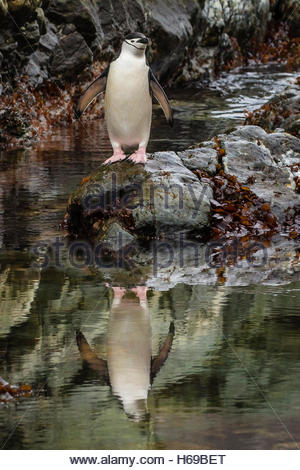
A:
(135, 41)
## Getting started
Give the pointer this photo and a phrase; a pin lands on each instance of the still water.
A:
(200, 365)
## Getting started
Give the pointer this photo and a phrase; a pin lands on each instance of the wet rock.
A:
(168, 263)
(149, 200)
(281, 111)
(194, 263)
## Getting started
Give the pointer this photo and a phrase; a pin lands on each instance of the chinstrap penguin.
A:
(129, 85)
(129, 367)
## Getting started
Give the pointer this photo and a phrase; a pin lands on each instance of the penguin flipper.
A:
(161, 97)
(88, 355)
(95, 88)
(158, 362)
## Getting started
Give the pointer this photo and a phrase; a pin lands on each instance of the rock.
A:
(263, 162)
(243, 20)
(283, 111)
(165, 264)
(71, 56)
(161, 197)
(36, 68)
(201, 158)
(49, 40)
(24, 7)
(84, 15)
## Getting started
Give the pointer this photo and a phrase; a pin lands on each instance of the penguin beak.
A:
(142, 41)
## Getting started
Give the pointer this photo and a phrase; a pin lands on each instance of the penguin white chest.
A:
(129, 352)
(128, 103)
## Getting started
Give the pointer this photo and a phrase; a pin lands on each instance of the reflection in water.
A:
(203, 396)
(129, 368)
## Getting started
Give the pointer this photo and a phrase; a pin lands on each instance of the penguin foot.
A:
(140, 292)
(116, 157)
(139, 156)
(119, 292)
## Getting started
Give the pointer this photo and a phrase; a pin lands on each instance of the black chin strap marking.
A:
(138, 48)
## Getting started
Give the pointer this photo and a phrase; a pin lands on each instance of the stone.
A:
(36, 68)
(263, 162)
(161, 197)
(283, 110)
(202, 158)
(71, 56)
(49, 40)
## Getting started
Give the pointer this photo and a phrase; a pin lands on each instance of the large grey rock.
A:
(201, 158)
(264, 162)
(161, 197)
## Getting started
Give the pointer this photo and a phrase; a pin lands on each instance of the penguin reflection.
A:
(129, 369)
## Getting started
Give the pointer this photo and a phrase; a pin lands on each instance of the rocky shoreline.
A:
(50, 50)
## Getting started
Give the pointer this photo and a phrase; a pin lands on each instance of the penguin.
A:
(129, 368)
(129, 84)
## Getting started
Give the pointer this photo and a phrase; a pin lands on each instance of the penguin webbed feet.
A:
(139, 156)
(117, 156)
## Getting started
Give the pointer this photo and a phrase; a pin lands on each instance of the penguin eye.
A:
(132, 40)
